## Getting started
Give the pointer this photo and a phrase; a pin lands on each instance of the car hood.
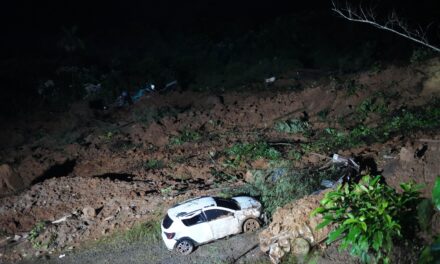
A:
(246, 202)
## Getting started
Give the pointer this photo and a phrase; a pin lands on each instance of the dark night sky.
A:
(25, 22)
(31, 31)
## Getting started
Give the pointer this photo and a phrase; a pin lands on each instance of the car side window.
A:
(197, 219)
(214, 214)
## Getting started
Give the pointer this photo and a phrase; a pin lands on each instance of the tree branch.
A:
(393, 24)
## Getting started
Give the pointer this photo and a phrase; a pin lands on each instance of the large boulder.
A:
(293, 229)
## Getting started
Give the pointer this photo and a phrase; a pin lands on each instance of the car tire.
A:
(251, 225)
(185, 246)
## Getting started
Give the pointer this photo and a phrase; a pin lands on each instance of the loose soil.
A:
(104, 171)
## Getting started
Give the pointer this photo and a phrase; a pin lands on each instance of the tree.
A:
(393, 24)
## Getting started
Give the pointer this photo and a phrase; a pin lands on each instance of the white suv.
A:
(204, 219)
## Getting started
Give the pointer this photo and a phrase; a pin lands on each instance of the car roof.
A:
(190, 206)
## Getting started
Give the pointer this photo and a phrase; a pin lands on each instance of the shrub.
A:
(242, 152)
(35, 232)
(369, 215)
(293, 126)
(185, 136)
(279, 186)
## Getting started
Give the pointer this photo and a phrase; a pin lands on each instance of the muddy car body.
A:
(205, 219)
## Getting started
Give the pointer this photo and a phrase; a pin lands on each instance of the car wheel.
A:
(185, 246)
(251, 225)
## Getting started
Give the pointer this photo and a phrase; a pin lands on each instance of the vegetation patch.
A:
(243, 152)
(369, 215)
(148, 232)
(185, 136)
(403, 121)
(154, 164)
(278, 186)
(293, 126)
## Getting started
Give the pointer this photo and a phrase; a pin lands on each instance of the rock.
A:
(406, 155)
(292, 229)
(300, 247)
(10, 181)
(276, 253)
(89, 212)
(249, 177)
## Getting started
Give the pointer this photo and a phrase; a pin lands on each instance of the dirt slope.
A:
(106, 170)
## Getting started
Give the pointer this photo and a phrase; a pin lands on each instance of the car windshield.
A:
(227, 203)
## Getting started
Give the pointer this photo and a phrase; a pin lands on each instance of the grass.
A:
(280, 185)
(148, 232)
(154, 164)
(185, 136)
(240, 153)
(403, 121)
(293, 126)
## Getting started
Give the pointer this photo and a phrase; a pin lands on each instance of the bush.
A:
(279, 186)
(293, 126)
(369, 215)
(242, 152)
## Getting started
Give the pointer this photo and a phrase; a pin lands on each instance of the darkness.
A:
(136, 41)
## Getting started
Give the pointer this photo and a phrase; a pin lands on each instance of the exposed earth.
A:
(86, 174)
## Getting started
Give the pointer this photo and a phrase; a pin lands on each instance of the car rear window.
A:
(167, 222)
(227, 203)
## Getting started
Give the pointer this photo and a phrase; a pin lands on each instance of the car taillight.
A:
(170, 235)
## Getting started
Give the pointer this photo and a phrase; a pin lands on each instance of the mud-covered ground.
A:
(96, 172)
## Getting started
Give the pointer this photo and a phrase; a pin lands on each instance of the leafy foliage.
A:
(242, 152)
(402, 121)
(436, 193)
(293, 126)
(279, 186)
(154, 164)
(369, 215)
(185, 136)
(35, 232)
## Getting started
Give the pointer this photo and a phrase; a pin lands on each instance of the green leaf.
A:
(323, 224)
(334, 235)
(353, 234)
(363, 226)
(377, 240)
(318, 211)
(436, 193)
(350, 221)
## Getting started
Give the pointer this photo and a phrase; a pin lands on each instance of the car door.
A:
(222, 222)
(197, 228)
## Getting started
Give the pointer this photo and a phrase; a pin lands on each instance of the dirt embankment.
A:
(106, 170)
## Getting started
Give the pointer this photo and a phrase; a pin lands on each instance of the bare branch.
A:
(394, 24)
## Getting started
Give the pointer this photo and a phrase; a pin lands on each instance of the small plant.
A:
(323, 114)
(166, 191)
(242, 152)
(35, 232)
(154, 164)
(369, 216)
(221, 176)
(436, 193)
(431, 253)
(148, 232)
(420, 55)
(185, 136)
(279, 186)
(293, 126)
(352, 87)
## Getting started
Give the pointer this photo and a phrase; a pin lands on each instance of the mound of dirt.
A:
(10, 181)
(293, 229)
